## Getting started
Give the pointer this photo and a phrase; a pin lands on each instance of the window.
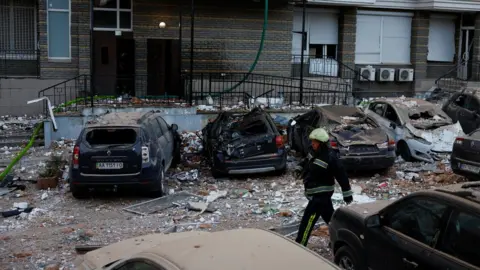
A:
(461, 238)
(420, 219)
(441, 39)
(111, 15)
(58, 24)
(391, 115)
(156, 127)
(18, 29)
(383, 38)
(139, 265)
(377, 108)
(163, 125)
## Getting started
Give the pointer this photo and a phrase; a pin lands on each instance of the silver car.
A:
(421, 129)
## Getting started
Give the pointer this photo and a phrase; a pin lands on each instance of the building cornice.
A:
(440, 5)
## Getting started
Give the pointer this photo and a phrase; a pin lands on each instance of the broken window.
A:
(391, 115)
(106, 136)
(461, 238)
(139, 265)
(378, 108)
(420, 219)
(460, 101)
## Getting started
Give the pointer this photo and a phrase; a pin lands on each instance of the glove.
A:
(348, 199)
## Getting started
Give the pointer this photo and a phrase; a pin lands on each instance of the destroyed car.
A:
(359, 141)
(464, 107)
(124, 149)
(237, 143)
(465, 157)
(432, 229)
(421, 130)
(245, 249)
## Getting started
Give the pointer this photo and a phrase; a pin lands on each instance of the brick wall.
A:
(347, 36)
(80, 43)
(419, 43)
(227, 36)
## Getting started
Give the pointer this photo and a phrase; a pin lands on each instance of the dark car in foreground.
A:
(432, 229)
(464, 107)
(465, 157)
(125, 149)
(238, 143)
(358, 140)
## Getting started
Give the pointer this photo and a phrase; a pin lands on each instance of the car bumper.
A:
(146, 178)
(368, 162)
(455, 165)
(257, 164)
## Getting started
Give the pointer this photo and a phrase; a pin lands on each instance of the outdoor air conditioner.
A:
(405, 75)
(367, 74)
(386, 75)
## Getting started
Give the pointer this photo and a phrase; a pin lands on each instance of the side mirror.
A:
(392, 125)
(174, 127)
(373, 221)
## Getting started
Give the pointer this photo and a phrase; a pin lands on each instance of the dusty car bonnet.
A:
(367, 209)
(246, 249)
(349, 125)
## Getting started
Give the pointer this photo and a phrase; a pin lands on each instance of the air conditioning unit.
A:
(405, 75)
(367, 74)
(386, 75)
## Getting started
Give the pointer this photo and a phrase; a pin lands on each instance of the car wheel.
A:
(160, 184)
(345, 258)
(404, 151)
(79, 192)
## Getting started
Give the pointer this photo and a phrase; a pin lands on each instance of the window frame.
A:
(69, 58)
(382, 15)
(117, 10)
(22, 57)
(444, 18)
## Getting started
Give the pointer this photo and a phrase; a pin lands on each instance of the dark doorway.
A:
(125, 66)
(163, 67)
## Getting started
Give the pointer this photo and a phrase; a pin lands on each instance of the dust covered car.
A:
(125, 149)
(359, 141)
(465, 157)
(237, 143)
(240, 249)
(421, 129)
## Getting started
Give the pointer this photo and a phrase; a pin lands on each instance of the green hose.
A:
(259, 52)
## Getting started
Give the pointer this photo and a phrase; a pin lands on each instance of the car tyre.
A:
(346, 259)
(160, 185)
(79, 193)
(404, 151)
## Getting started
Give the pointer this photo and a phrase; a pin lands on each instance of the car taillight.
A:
(279, 141)
(76, 156)
(459, 141)
(145, 154)
(391, 142)
(333, 144)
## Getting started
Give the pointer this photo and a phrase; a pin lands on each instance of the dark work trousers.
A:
(319, 205)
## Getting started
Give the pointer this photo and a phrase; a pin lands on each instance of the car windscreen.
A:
(106, 136)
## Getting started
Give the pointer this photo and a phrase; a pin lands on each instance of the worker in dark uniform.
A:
(318, 171)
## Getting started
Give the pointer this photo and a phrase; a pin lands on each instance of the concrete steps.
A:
(19, 139)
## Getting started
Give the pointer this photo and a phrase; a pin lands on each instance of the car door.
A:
(453, 105)
(468, 117)
(410, 230)
(169, 140)
(460, 241)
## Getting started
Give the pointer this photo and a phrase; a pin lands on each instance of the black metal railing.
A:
(19, 63)
(314, 66)
(225, 90)
(457, 78)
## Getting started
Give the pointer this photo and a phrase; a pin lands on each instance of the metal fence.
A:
(19, 63)
(322, 66)
(457, 78)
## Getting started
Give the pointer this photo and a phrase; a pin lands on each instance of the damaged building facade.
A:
(399, 45)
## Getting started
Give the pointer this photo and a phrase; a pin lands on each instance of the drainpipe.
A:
(304, 44)
(180, 15)
(92, 55)
(192, 25)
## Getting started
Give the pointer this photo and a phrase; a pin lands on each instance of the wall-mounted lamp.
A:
(162, 25)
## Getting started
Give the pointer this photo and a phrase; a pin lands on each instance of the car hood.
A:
(366, 209)
(442, 138)
(352, 136)
(253, 249)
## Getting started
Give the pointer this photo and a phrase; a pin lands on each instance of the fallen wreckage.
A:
(360, 142)
(238, 143)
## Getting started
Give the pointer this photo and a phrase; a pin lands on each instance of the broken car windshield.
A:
(111, 137)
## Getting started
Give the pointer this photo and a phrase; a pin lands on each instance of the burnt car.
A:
(237, 143)
(245, 249)
(464, 107)
(465, 157)
(431, 229)
(124, 149)
(359, 141)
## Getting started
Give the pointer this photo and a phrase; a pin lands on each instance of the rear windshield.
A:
(111, 136)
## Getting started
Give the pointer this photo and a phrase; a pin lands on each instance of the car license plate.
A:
(109, 165)
(469, 168)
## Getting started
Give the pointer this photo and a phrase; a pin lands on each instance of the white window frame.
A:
(451, 18)
(384, 14)
(69, 58)
(21, 57)
(117, 10)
